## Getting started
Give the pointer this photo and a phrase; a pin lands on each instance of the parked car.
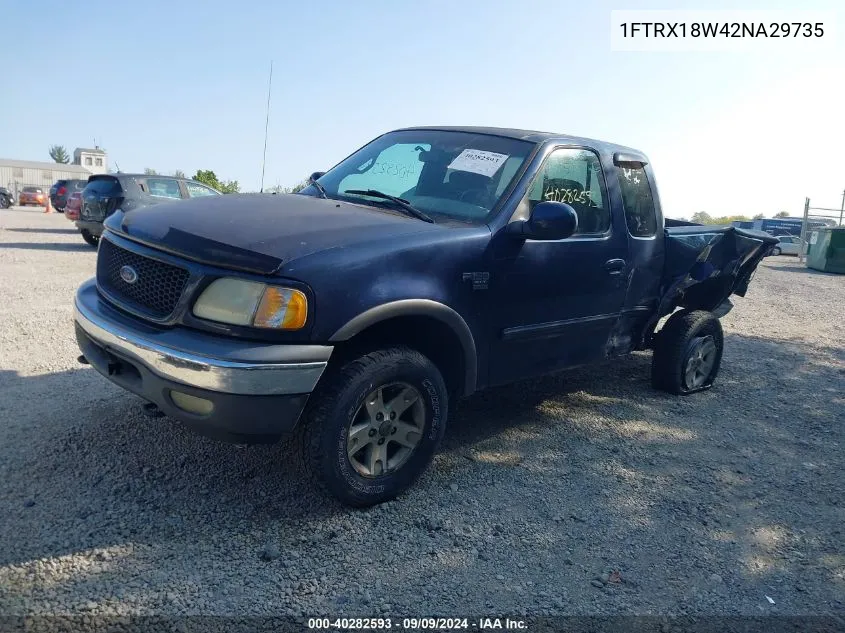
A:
(6, 198)
(106, 193)
(74, 204)
(787, 245)
(31, 195)
(61, 191)
(429, 264)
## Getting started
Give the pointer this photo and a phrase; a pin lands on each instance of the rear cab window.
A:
(638, 201)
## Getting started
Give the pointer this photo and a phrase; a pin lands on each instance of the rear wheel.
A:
(89, 237)
(687, 353)
(374, 425)
(776, 251)
(5, 203)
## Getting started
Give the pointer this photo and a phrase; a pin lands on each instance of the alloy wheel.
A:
(700, 362)
(386, 429)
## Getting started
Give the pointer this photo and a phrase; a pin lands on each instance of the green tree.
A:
(150, 171)
(295, 189)
(59, 154)
(782, 214)
(179, 173)
(208, 177)
(702, 217)
(759, 216)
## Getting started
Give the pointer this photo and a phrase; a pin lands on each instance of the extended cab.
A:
(430, 263)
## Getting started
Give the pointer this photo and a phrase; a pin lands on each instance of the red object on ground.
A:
(74, 204)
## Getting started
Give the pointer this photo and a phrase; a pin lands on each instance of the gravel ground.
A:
(583, 493)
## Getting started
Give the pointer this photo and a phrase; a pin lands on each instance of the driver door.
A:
(555, 303)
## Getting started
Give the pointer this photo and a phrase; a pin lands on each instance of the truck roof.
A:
(532, 136)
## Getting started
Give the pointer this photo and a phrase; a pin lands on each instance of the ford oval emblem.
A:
(128, 274)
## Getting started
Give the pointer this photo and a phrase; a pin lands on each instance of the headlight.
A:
(251, 303)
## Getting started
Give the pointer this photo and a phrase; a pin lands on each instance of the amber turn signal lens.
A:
(281, 309)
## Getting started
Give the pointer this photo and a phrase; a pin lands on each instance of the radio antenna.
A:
(266, 125)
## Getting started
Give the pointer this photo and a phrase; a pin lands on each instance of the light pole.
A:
(842, 208)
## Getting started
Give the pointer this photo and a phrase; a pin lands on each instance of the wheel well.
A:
(708, 295)
(429, 336)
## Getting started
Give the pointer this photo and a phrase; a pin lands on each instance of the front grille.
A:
(158, 285)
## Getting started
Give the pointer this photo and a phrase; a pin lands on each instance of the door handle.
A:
(615, 266)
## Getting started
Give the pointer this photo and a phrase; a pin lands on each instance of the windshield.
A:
(448, 175)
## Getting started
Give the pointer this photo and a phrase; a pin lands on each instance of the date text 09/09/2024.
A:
(414, 624)
(721, 29)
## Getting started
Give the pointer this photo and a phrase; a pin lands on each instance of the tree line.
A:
(702, 217)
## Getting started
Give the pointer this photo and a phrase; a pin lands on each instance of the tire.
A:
(776, 251)
(687, 353)
(339, 405)
(89, 237)
(5, 203)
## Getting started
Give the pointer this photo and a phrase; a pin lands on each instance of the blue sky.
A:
(183, 85)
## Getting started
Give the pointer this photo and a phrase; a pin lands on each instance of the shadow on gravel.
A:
(592, 468)
(49, 246)
(801, 268)
(28, 230)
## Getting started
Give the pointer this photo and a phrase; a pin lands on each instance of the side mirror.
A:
(548, 221)
(315, 176)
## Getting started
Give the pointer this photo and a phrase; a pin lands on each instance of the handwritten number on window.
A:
(556, 194)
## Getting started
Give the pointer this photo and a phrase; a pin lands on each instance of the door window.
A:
(164, 187)
(573, 176)
(638, 202)
(196, 190)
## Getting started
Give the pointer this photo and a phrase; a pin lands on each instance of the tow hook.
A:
(82, 360)
(151, 409)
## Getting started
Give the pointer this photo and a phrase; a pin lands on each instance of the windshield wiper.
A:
(320, 188)
(399, 202)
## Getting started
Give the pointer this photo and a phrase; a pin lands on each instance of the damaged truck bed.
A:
(705, 265)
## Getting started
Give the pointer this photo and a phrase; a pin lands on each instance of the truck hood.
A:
(259, 233)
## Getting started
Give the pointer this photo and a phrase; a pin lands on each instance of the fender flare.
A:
(419, 307)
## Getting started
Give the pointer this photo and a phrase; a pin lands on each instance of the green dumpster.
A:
(827, 249)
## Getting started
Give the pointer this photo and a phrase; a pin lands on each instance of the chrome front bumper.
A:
(201, 360)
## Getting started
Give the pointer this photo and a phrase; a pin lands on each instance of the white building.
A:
(94, 160)
(17, 174)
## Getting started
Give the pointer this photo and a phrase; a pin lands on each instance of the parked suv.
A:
(62, 190)
(105, 193)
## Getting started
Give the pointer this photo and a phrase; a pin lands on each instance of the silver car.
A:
(788, 245)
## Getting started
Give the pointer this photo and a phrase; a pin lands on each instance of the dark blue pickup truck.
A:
(429, 264)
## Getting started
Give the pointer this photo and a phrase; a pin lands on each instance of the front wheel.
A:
(89, 237)
(374, 425)
(687, 352)
(776, 251)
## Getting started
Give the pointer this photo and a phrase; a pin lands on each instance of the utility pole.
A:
(802, 253)
(266, 125)
(842, 209)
